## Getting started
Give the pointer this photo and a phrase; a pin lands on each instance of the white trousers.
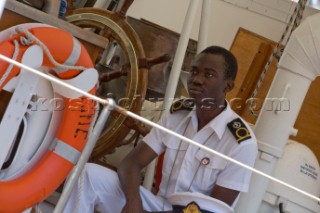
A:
(99, 188)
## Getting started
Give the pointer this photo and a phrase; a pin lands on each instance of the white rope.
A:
(299, 16)
(14, 57)
(146, 121)
(94, 119)
(26, 41)
(80, 186)
(31, 37)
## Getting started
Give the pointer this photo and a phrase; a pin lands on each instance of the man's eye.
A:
(209, 75)
(193, 72)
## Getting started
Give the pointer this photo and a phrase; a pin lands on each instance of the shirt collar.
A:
(218, 124)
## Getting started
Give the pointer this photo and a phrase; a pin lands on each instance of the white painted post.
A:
(179, 56)
(204, 26)
(174, 77)
(2, 4)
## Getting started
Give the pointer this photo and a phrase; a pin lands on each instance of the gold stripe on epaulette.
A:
(239, 130)
(182, 104)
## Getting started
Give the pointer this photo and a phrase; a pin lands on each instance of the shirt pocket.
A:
(174, 153)
(210, 166)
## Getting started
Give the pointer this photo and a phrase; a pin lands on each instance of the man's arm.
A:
(224, 194)
(130, 176)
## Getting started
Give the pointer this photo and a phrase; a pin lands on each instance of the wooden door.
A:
(252, 52)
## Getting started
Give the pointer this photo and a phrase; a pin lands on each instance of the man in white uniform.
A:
(206, 118)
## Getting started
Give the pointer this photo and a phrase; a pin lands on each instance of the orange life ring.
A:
(38, 183)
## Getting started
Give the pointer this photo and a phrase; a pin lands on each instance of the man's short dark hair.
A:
(230, 60)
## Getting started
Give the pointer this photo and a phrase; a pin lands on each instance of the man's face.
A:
(207, 84)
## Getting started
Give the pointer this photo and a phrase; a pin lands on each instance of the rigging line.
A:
(146, 121)
(297, 14)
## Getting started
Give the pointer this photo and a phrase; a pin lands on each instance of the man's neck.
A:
(206, 115)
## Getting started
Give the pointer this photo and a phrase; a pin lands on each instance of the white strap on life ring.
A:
(66, 151)
(19, 101)
(41, 123)
(85, 81)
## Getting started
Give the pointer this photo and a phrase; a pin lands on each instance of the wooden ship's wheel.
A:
(115, 28)
(113, 25)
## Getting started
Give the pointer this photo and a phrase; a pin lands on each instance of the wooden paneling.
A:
(252, 50)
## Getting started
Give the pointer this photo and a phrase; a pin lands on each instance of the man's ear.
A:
(229, 85)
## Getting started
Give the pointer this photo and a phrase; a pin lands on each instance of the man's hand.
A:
(130, 176)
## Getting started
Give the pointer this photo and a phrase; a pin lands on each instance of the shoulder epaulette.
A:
(182, 104)
(239, 130)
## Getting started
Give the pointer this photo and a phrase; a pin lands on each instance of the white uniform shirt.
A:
(190, 172)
